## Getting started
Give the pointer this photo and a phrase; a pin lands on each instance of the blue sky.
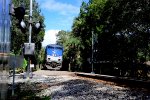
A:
(59, 15)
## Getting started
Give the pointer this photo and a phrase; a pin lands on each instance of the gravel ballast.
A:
(70, 87)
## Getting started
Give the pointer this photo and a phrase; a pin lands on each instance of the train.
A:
(53, 57)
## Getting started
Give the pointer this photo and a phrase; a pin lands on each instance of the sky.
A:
(59, 15)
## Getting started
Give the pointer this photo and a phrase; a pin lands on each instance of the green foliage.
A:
(27, 91)
(122, 27)
(72, 46)
(41, 55)
(88, 21)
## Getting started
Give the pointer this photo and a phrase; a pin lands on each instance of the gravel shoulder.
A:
(59, 85)
(53, 73)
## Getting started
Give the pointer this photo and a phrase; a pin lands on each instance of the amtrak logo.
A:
(54, 53)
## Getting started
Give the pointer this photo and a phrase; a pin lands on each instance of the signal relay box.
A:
(29, 48)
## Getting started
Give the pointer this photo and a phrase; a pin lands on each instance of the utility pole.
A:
(92, 52)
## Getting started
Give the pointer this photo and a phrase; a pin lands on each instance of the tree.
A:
(85, 23)
(122, 28)
(72, 46)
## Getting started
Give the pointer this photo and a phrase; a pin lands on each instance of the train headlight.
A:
(49, 59)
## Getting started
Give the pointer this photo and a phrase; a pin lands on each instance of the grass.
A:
(30, 95)
(25, 91)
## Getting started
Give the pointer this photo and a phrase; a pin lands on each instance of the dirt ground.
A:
(53, 73)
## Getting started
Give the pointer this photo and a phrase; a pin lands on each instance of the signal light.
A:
(38, 25)
(22, 24)
(49, 59)
(19, 13)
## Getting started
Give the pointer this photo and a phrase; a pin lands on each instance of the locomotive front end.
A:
(54, 55)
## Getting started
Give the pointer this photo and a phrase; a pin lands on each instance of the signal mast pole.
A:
(30, 31)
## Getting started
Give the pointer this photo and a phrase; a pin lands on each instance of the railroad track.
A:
(124, 81)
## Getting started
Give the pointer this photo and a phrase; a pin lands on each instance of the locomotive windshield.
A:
(54, 51)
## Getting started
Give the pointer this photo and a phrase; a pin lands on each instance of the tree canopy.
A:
(122, 30)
